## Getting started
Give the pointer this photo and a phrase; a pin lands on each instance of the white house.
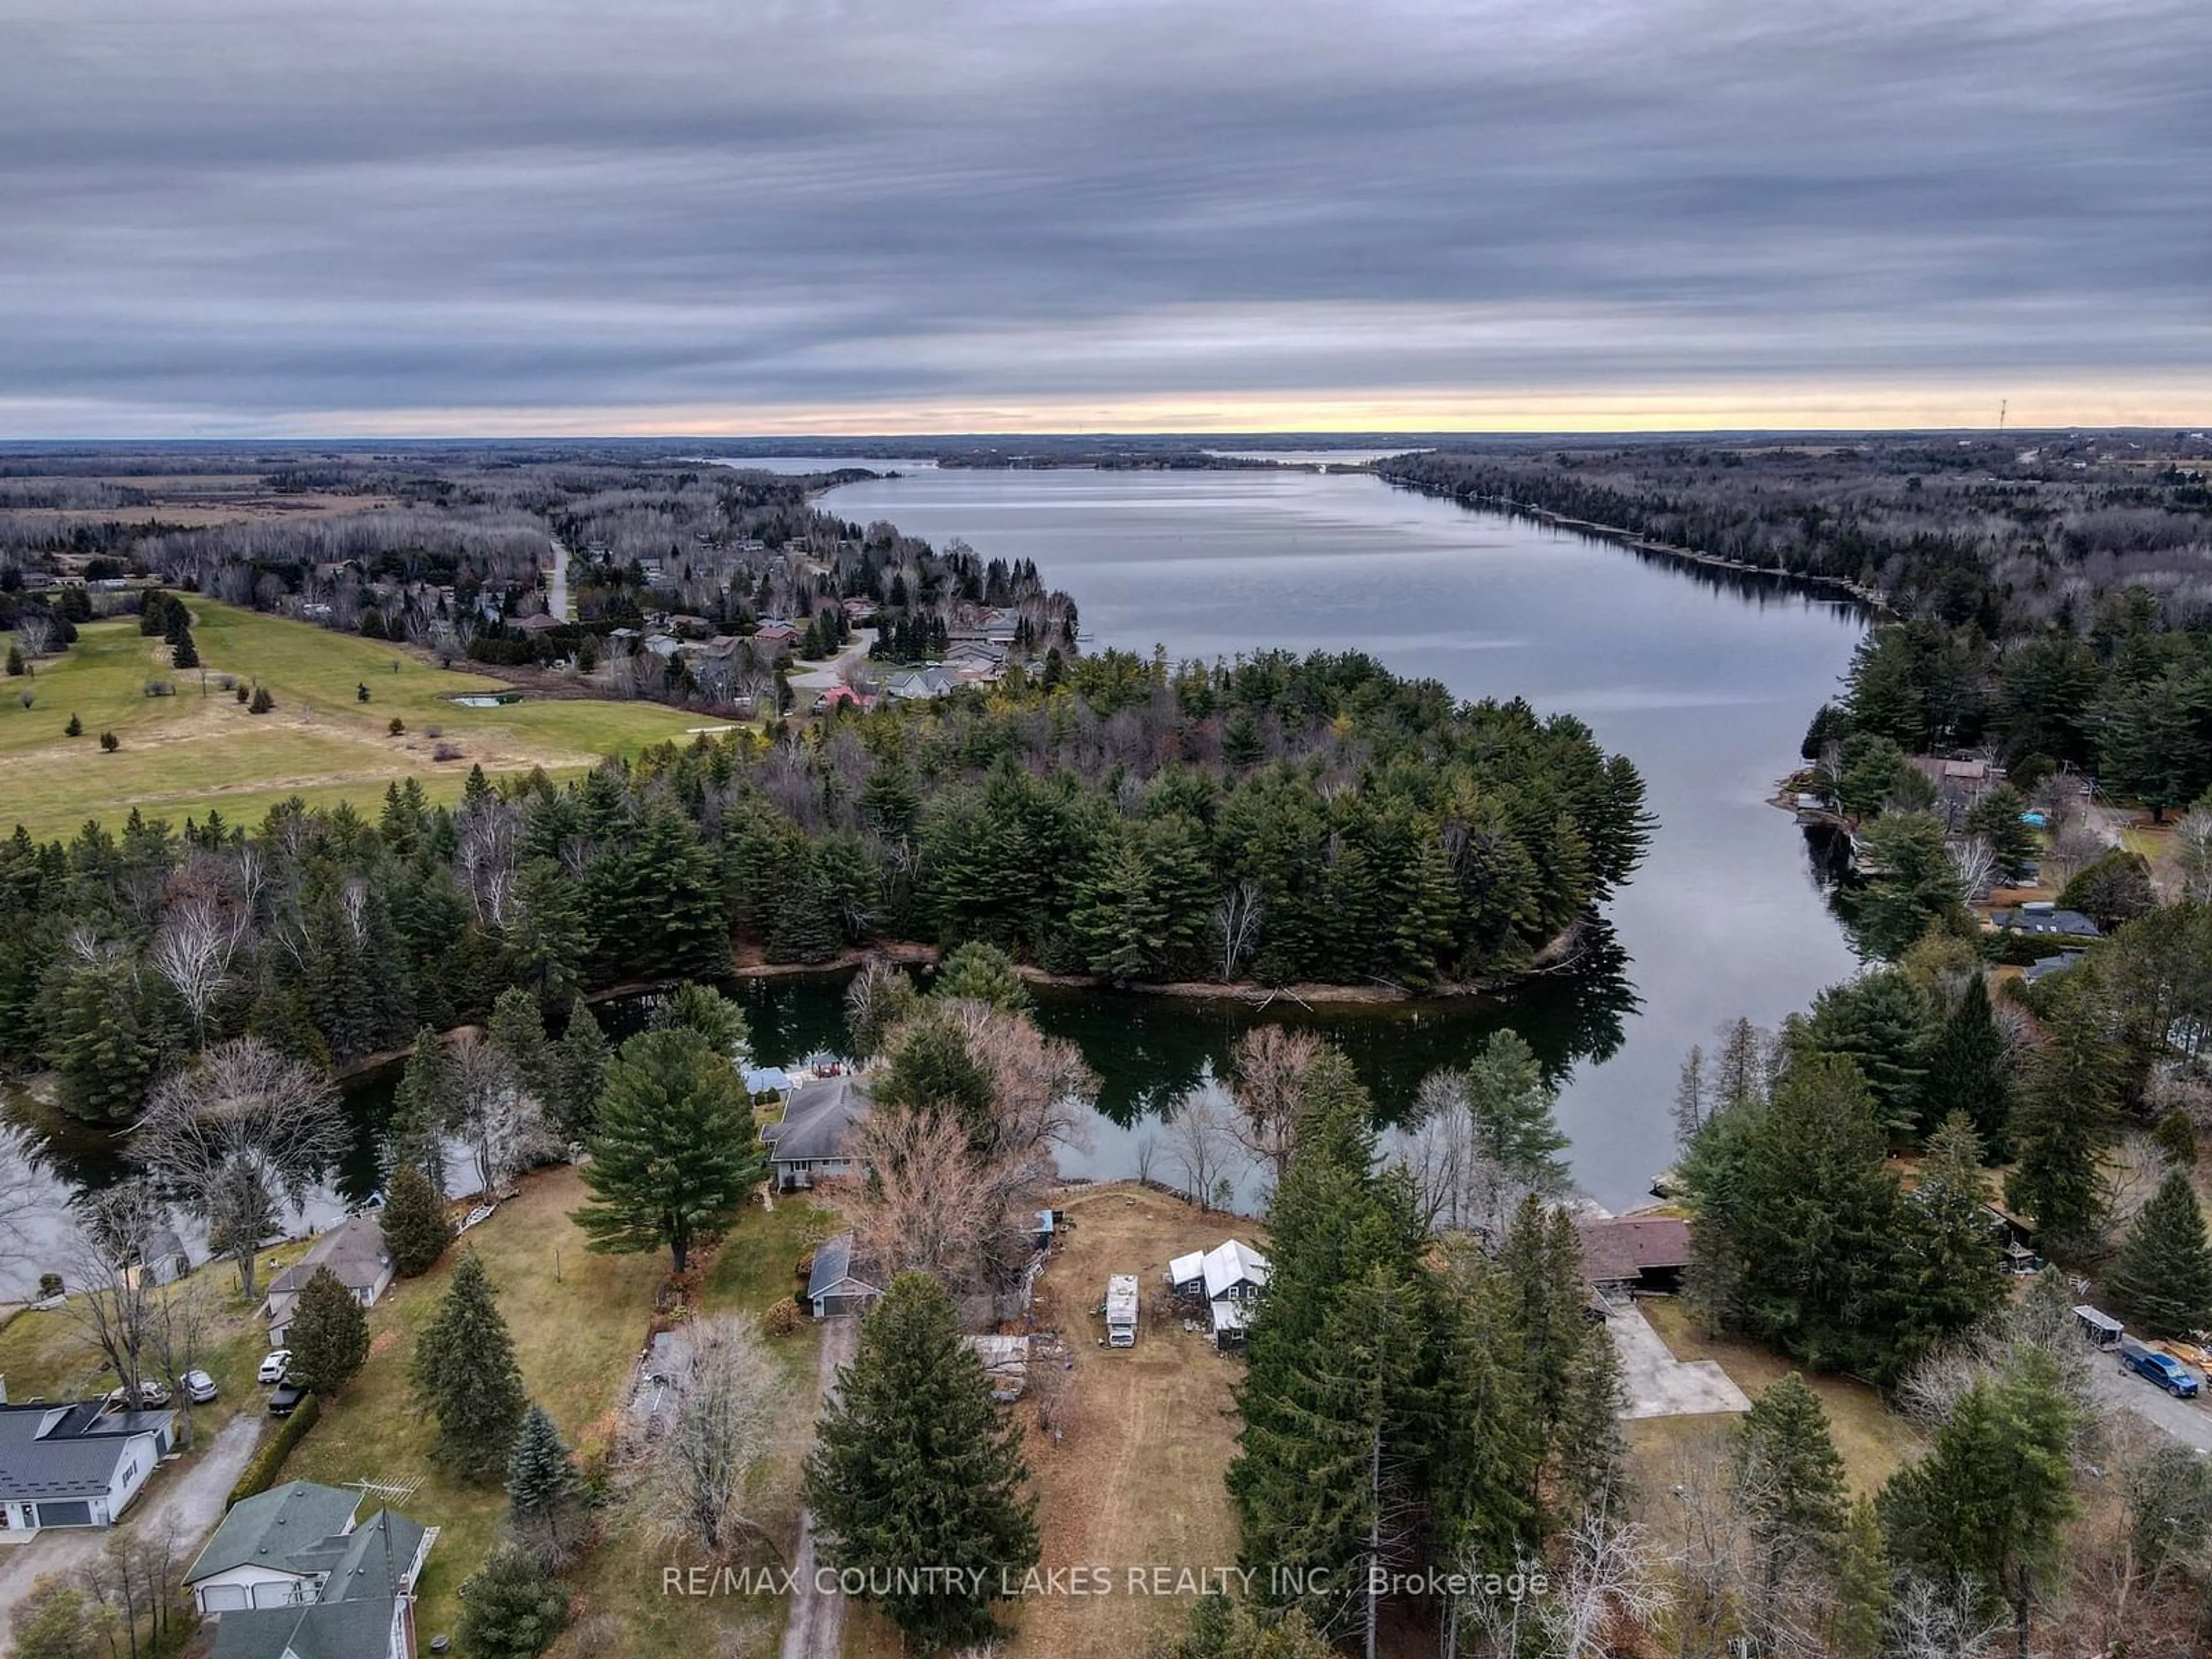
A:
(354, 1250)
(289, 1572)
(75, 1465)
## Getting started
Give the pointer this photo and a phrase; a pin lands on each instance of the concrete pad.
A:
(1657, 1383)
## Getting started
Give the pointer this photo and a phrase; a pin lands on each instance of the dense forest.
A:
(1271, 819)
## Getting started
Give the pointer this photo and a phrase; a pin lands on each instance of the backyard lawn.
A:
(580, 1322)
(181, 755)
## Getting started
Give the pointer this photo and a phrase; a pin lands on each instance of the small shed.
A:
(2100, 1328)
(841, 1283)
(1122, 1311)
(1229, 1320)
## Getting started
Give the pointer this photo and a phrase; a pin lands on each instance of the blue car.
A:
(2163, 1368)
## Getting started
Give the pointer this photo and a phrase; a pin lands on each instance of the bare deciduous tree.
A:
(931, 1204)
(193, 951)
(1267, 1074)
(1200, 1144)
(1237, 920)
(240, 1131)
(2192, 849)
(29, 1199)
(110, 1297)
(488, 833)
(1976, 862)
(721, 1427)
(502, 1122)
(36, 630)
(179, 1322)
(1931, 1620)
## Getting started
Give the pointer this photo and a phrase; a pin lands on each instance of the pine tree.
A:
(421, 1107)
(329, 1334)
(1989, 1501)
(1884, 1025)
(982, 973)
(465, 1375)
(1511, 1104)
(676, 1151)
(416, 1229)
(184, 653)
(580, 1070)
(915, 1464)
(2163, 1279)
(1793, 1481)
(509, 1608)
(2058, 1123)
(701, 1008)
(1862, 1581)
(543, 1491)
(1967, 1071)
(517, 1030)
(1957, 1273)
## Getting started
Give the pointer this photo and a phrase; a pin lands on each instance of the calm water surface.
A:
(1705, 682)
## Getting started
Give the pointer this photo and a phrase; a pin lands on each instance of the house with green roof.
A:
(289, 1575)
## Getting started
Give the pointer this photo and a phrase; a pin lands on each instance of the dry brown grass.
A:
(1136, 1479)
(1874, 1441)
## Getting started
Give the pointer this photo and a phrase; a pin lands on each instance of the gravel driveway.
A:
(193, 1502)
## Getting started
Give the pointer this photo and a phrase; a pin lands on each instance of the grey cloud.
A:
(231, 216)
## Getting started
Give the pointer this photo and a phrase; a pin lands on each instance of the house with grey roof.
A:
(75, 1464)
(814, 1138)
(289, 1575)
(2045, 921)
(354, 1250)
(842, 1281)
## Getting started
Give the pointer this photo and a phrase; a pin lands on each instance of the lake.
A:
(1705, 679)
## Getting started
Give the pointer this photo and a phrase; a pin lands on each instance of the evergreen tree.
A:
(701, 1008)
(517, 1030)
(1988, 1502)
(1862, 1581)
(982, 973)
(184, 653)
(1883, 1024)
(1512, 1105)
(579, 1069)
(2058, 1117)
(329, 1334)
(414, 1223)
(465, 1375)
(1488, 1454)
(1955, 1273)
(1793, 1482)
(1222, 1629)
(422, 1108)
(2163, 1279)
(1568, 1363)
(1998, 818)
(676, 1151)
(549, 939)
(509, 1608)
(99, 1044)
(1968, 1072)
(916, 1463)
(543, 1491)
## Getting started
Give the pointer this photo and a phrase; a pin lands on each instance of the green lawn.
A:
(52, 1355)
(181, 756)
(578, 1323)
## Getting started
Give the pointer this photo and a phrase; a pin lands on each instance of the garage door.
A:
(74, 1514)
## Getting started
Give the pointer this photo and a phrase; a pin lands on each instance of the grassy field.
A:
(181, 756)
(51, 1355)
(579, 1321)
(1874, 1441)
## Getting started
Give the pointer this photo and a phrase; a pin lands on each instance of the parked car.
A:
(200, 1386)
(287, 1399)
(152, 1397)
(272, 1368)
(2163, 1368)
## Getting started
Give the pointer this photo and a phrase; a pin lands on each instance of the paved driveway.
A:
(193, 1502)
(1657, 1383)
(2122, 1390)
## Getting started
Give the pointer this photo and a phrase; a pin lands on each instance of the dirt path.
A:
(816, 1629)
(191, 1504)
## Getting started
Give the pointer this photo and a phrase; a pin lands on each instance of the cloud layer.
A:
(473, 214)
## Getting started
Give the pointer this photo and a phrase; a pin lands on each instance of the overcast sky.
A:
(325, 216)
